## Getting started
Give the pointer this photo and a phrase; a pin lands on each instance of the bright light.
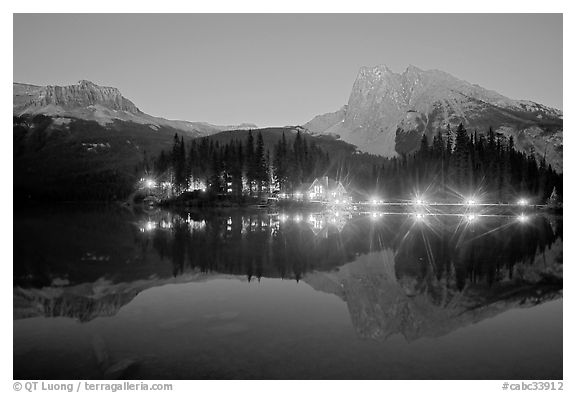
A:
(522, 218)
(149, 226)
(312, 195)
(419, 216)
(337, 201)
(471, 202)
(298, 195)
(419, 201)
(283, 217)
(374, 201)
(471, 217)
(150, 183)
(522, 202)
(298, 218)
(374, 216)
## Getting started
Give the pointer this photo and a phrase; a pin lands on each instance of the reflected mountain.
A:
(407, 274)
(382, 303)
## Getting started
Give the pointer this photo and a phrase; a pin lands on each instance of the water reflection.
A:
(466, 247)
(414, 274)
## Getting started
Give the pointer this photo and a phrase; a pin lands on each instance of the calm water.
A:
(106, 292)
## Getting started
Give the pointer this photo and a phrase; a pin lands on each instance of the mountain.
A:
(105, 105)
(85, 141)
(383, 303)
(380, 303)
(87, 301)
(387, 113)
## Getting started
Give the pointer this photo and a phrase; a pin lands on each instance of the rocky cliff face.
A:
(387, 113)
(83, 94)
(87, 301)
(105, 105)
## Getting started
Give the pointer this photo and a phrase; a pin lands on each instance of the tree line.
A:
(451, 164)
(241, 167)
(468, 164)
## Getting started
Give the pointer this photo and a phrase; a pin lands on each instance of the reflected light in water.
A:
(165, 224)
(195, 225)
(149, 226)
(416, 285)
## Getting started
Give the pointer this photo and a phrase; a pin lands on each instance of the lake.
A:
(110, 292)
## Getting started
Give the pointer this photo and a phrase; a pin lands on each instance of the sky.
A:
(281, 69)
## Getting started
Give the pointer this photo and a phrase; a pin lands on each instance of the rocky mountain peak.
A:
(105, 105)
(388, 112)
(85, 93)
(412, 69)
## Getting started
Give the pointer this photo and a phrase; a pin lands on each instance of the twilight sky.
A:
(281, 69)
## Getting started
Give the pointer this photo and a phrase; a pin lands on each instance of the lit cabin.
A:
(327, 190)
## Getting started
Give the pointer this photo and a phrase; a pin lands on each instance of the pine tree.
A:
(261, 170)
(280, 163)
(250, 162)
(461, 156)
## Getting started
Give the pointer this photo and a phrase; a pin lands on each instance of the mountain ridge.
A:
(387, 113)
(103, 104)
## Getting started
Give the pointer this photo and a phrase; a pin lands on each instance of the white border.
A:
(259, 6)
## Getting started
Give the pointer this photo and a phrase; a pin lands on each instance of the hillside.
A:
(272, 135)
(86, 141)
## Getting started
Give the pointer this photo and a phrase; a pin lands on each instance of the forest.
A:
(453, 164)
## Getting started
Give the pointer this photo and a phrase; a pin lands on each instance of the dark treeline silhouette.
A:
(90, 162)
(241, 167)
(80, 161)
(453, 164)
(468, 164)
